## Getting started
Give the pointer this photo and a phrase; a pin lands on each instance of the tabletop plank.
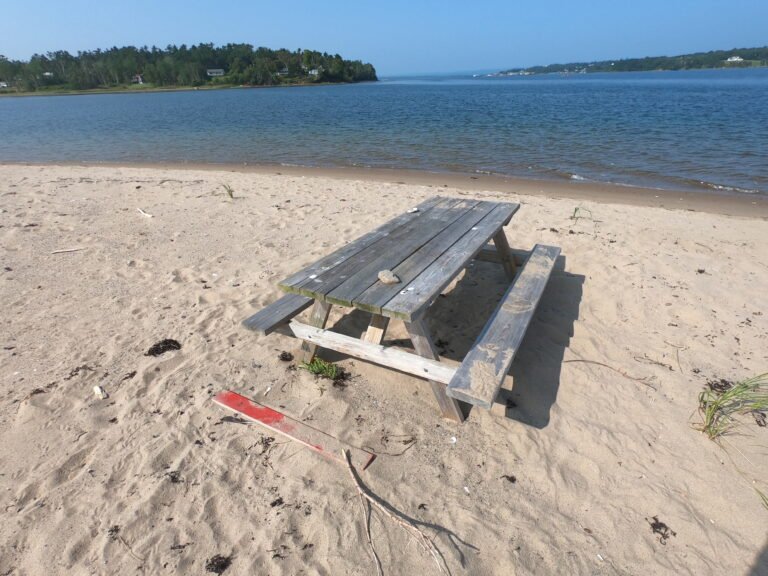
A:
(319, 284)
(374, 298)
(349, 250)
(413, 299)
(391, 251)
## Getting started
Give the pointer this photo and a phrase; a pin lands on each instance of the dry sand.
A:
(157, 480)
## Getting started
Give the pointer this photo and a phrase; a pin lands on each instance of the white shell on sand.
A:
(99, 392)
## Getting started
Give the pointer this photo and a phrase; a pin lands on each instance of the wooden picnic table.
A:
(426, 248)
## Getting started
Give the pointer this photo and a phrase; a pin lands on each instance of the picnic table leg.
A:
(376, 329)
(424, 346)
(505, 254)
(317, 318)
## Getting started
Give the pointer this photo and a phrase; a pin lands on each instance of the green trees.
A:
(180, 66)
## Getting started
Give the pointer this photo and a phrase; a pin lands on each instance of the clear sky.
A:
(397, 36)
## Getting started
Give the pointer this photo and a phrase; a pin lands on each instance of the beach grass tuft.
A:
(324, 369)
(719, 404)
(763, 497)
(579, 213)
(230, 191)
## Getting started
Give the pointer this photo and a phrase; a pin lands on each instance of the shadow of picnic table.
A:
(760, 567)
(458, 316)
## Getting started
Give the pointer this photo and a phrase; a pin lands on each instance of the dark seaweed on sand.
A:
(162, 347)
(660, 528)
(218, 564)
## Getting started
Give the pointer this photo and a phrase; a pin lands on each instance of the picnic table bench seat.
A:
(280, 312)
(479, 378)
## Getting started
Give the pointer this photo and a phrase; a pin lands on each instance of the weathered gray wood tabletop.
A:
(426, 249)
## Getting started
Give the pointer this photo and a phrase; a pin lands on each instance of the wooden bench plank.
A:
(375, 297)
(270, 317)
(389, 357)
(390, 252)
(382, 253)
(349, 250)
(480, 375)
(413, 299)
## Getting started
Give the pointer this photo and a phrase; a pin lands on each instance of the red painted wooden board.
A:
(276, 421)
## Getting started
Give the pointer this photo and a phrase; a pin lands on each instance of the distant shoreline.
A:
(525, 72)
(715, 202)
(756, 57)
(125, 90)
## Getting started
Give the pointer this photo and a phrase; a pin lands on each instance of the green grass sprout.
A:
(324, 369)
(720, 404)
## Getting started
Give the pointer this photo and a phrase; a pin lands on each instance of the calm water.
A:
(689, 130)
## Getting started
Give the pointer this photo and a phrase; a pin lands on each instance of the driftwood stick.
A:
(366, 514)
(130, 550)
(677, 348)
(396, 517)
(649, 360)
(147, 214)
(619, 370)
(67, 250)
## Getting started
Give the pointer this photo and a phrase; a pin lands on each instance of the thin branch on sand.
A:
(367, 513)
(647, 359)
(678, 349)
(147, 214)
(65, 250)
(393, 515)
(130, 550)
(643, 381)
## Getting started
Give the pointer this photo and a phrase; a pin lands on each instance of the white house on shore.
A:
(214, 72)
(735, 59)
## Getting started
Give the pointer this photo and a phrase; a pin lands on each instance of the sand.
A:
(156, 479)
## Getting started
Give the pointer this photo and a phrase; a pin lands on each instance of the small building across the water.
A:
(214, 72)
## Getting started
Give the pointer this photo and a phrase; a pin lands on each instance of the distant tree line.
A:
(179, 66)
(741, 58)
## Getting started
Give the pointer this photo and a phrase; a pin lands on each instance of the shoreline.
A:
(729, 204)
(126, 90)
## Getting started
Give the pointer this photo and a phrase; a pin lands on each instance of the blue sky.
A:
(397, 36)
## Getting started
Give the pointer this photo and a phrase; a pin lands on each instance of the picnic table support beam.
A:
(376, 329)
(317, 318)
(505, 254)
(390, 357)
(422, 342)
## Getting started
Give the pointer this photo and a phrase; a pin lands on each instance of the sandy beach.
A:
(598, 468)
